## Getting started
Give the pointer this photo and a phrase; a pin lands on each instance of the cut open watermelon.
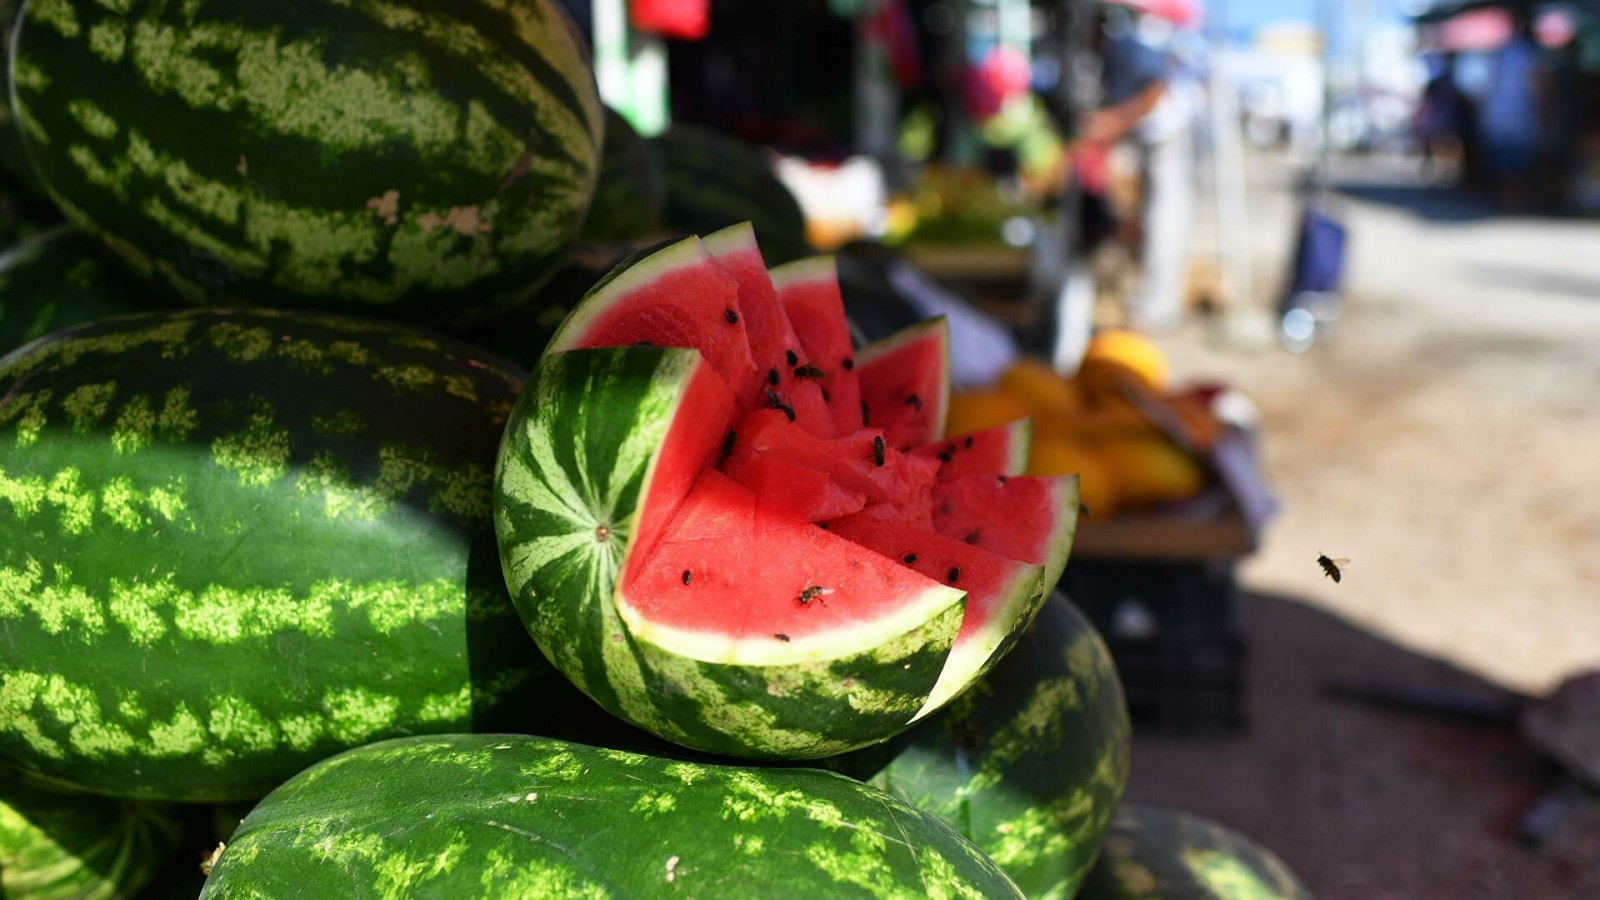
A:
(1001, 450)
(709, 568)
(809, 291)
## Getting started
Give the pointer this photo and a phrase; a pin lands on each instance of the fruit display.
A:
(1161, 854)
(415, 482)
(1136, 442)
(514, 816)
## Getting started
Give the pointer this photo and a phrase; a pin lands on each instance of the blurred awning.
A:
(1179, 12)
(1469, 25)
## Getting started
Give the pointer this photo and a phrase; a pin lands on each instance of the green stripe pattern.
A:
(232, 543)
(57, 846)
(579, 453)
(59, 278)
(1030, 763)
(466, 816)
(1152, 852)
(714, 180)
(425, 158)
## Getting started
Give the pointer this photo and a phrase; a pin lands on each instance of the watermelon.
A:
(630, 189)
(232, 543)
(1001, 450)
(905, 383)
(56, 845)
(59, 278)
(1029, 764)
(514, 816)
(1152, 853)
(809, 291)
(669, 548)
(430, 160)
(714, 180)
(1020, 516)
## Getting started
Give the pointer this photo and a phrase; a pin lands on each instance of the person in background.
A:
(1510, 114)
(1440, 124)
(1145, 103)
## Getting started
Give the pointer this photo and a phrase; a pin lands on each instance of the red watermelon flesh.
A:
(740, 580)
(853, 461)
(677, 296)
(1001, 450)
(808, 289)
(804, 491)
(905, 383)
(1003, 595)
(1027, 518)
(774, 348)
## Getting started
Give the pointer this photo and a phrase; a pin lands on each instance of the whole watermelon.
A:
(715, 180)
(1152, 853)
(1030, 763)
(423, 159)
(235, 542)
(631, 190)
(493, 816)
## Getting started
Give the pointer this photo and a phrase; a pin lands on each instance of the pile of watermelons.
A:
(310, 587)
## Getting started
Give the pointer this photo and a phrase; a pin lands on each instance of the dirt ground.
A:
(1443, 435)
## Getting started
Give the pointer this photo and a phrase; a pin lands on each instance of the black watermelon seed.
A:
(772, 377)
(968, 442)
(808, 371)
(731, 316)
(1000, 479)
(687, 576)
(849, 364)
(776, 402)
(782, 637)
(955, 573)
(727, 443)
(824, 395)
(643, 344)
(910, 558)
(972, 538)
(944, 456)
(823, 525)
(877, 451)
(794, 360)
(915, 402)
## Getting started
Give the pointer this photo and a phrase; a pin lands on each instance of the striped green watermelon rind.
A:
(580, 480)
(1030, 763)
(59, 278)
(469, 816)
(232, 543)
(80, 846)
(428, 161)
(715, 180)
(1152, 853)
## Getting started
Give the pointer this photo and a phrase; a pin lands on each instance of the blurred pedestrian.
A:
(1440, 124)
(1509, 117)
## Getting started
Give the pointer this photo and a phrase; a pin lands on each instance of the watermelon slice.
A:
(777, 353)
(809, 291)
(1001, 450)
(656, 530)
(1027, 518)
(905, 383)
(675, 296)
(1003, 595)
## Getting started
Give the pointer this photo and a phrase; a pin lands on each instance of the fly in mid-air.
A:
(1331, 567)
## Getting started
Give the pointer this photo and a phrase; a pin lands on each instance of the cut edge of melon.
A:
(911, 334)
(1024, 595)
(736, 238)
(1065, 531)
(823, 267)
(626, 277)
(922, 613)
(1021, 446)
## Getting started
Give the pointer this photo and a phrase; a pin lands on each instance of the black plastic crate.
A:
(1171, 632)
